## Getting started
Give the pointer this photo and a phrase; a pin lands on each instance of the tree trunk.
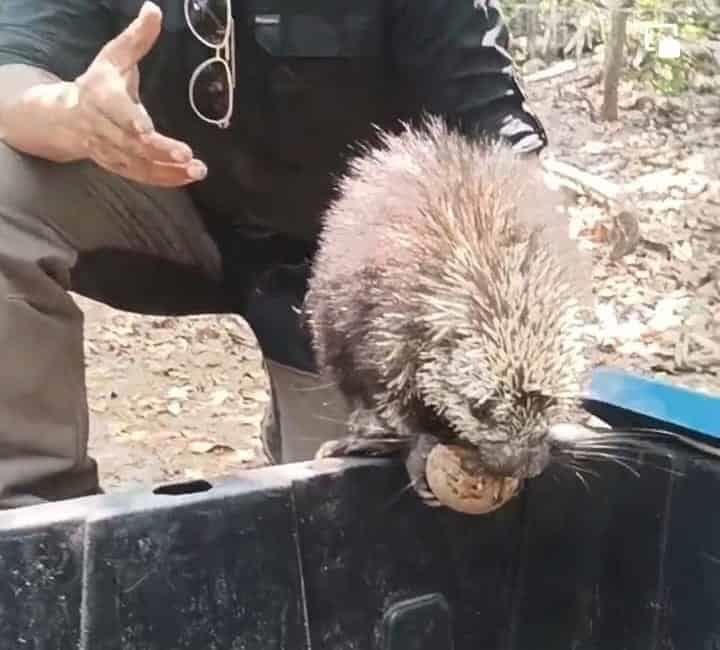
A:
(532, 18)
(614, 59)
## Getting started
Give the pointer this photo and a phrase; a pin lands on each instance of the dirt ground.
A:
(179, 398)
(171, 398)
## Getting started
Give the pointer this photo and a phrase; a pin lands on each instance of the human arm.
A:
(33, 96)
(72, 90)
(456, 56)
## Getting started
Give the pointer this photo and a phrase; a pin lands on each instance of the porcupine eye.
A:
(535, 400)
(431, 421)
(481, 410)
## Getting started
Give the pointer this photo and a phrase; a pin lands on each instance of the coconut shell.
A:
(461, 491)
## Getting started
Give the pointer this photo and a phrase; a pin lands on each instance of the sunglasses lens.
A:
(209, 18)
(211, 91)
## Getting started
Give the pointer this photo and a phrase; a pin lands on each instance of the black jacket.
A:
(313, 80)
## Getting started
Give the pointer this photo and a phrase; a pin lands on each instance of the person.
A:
(176, 158)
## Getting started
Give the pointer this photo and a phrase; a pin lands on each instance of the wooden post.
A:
(532, 29)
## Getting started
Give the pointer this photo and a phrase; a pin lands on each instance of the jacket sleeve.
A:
(60, 36)
(455, 56)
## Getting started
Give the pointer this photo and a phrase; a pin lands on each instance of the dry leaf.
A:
(683, 251)
(116, 428)
(243, 456)
(201, 447)
(205, 447)
(218, 397)
(166, 435)
(252, 419)
(667, 314)
(179, 392)
(99, 406)
(257, 395)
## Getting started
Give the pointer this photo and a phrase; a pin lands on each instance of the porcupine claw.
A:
(385, 447)
(367, 437)
(354, 445)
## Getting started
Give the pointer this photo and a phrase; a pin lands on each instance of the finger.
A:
(150, 172)
(177, 151)
(165, 176)
(130, 47)
(133, 85)
(115, 105)
(152, 146)
(168, 175)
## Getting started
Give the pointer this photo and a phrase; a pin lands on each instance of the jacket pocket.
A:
(319, 36)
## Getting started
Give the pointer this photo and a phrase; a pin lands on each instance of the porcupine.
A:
(443, 302)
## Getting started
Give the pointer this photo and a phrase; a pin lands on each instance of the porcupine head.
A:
(471, 326)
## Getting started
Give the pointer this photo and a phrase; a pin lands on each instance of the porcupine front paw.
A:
(355, 445)
(367, 438)
(416, 463)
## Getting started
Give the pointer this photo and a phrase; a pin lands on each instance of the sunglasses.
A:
(212, 84)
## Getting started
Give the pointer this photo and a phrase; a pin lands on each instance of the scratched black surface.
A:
(691, 591)
(218, 572)
(633, 564)
(40, 586)
(592, 559)
(364, 550)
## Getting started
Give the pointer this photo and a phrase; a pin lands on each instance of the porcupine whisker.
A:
(621, 441)
(608, 457)
(618, 440)
(582, 480)
(577, 472)
(581, 468)
(643, 440)
(396, 497)
(641, 450)
(645, 435)
(646, 462)
(610, 443)
(567, 464)
(603, 453)
(613, 453)
(650, 464)
(599, 452)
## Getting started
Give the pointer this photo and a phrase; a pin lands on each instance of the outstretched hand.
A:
(109, 122)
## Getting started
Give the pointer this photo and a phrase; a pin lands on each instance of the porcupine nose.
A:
(519, 462)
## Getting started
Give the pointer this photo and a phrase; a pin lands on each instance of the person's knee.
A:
(33, 186)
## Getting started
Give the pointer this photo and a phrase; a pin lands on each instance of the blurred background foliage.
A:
(671, 46)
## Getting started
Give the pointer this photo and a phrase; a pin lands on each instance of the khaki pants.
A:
(75, 227)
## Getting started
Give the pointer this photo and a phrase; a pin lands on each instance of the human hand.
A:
(108, 122)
